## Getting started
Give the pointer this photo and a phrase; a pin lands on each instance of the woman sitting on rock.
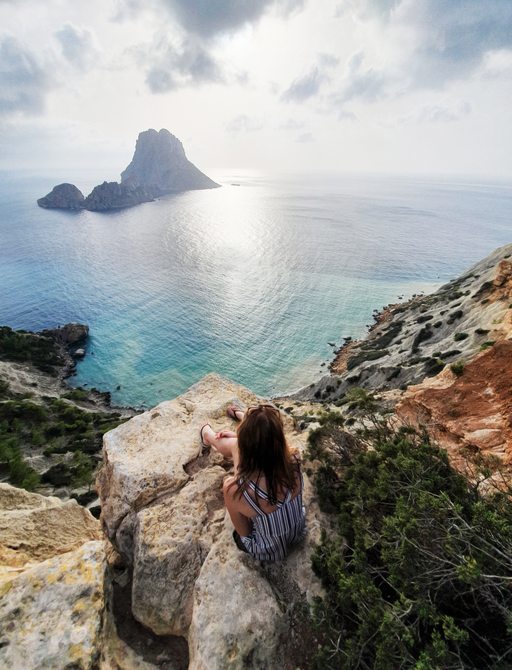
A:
(264, 497)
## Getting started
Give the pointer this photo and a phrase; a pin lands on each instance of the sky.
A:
(371, 86)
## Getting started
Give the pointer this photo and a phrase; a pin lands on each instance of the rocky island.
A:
(159, 167)
(386, 440)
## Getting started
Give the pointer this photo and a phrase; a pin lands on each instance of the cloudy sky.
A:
(394, 86)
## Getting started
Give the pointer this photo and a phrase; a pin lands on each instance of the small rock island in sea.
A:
(159, 166)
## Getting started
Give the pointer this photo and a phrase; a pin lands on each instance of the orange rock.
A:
(473, 410)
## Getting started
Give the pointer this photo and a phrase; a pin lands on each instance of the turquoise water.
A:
(251, 281)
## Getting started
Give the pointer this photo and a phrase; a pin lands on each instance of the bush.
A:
(417, 573)
(457, 368)
(29, 348)
(77, 394)
(460, 336)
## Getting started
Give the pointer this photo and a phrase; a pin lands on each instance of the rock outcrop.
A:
(416, 340)
(63, 196)
(51, 614)
(162, 509)
(470, 409)
(69, 334)
(35, 527)
(112, 195)
(52, 570)
(159, 166)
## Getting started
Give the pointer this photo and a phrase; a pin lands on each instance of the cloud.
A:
(361, 82)
(23, 81)
(78, 46)
(497, 63)
(443, 114)
(305, 138)
(244, 124)
(291, 124)
(170, 67)
(449, 38)
(304, 87)
(309, 84)
(365, 9)
(454, 36)
(345, 115)
(209, 18)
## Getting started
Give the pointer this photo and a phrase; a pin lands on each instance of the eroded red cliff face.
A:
(473, 409)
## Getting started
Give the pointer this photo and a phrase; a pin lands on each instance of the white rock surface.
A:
(51, 614)
(237, 622)
(172, 540)
(35, 527)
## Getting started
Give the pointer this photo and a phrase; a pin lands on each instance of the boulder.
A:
(51, 614)
(63, 196)
(237, 621)
(35, 527)
(172, 540)
(146, 457)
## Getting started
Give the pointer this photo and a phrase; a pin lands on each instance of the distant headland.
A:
(159, 166)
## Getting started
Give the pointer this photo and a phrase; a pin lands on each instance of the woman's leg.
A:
(227, 446)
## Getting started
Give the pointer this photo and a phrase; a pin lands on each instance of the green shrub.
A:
(457, 368)
(460, 336)
(4, 389)
(19, 472)
(29, 348)
(417, 572)
(487, 344)
(77, 394)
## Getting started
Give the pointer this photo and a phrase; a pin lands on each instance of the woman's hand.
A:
(225, 433)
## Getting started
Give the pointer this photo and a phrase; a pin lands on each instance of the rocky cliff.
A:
(50, 434)
(442, 361)
(159, 166)
(170, 589)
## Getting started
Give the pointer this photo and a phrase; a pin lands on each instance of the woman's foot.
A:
(235, 413)
(205, 433)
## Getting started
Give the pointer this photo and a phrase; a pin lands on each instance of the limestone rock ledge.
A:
(35, 527)
(162, 509)
(51, 614)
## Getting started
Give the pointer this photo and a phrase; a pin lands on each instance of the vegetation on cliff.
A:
(24, 347)
(418, 570)
(63, 437)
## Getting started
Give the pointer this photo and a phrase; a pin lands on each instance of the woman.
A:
(264, 497)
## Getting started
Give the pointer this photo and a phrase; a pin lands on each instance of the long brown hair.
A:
(263, 449)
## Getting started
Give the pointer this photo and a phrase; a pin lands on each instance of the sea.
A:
(256, 280)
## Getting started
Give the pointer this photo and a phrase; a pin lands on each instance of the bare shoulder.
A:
(233, 499)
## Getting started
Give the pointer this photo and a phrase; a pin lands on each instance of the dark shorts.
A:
(238, 542)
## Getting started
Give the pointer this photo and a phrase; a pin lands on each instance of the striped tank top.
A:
(274, 533)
